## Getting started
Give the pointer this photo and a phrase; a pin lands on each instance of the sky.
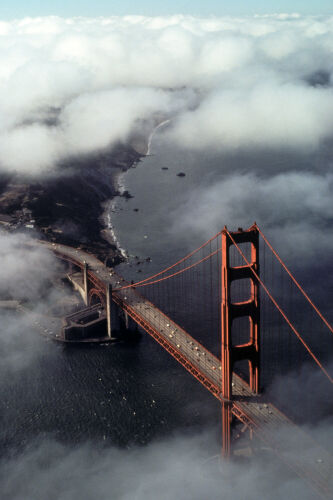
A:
(23, 8)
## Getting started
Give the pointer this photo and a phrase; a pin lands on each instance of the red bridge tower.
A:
(231, 310)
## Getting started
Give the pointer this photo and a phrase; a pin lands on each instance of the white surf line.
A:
(150, 139)
(110, 207)
(121, 188)
(120, 183)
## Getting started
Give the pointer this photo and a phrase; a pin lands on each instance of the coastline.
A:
(153, 132)
(144, 146)
(75, 207)
(70, 208)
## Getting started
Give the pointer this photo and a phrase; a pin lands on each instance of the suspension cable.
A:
(139, 283)
(281, 311)
(170, 275)
(294, 280)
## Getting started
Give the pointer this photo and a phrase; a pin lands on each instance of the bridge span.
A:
(98, 282)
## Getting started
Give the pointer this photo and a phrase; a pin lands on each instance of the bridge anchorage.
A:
(102, 320)
(234, 325)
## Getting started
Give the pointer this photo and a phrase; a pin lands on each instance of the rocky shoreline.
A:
(68, 208)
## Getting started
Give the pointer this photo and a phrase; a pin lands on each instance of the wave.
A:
(150, 138)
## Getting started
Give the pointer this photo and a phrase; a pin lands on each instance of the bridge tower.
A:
(250, 351)
(85, 284)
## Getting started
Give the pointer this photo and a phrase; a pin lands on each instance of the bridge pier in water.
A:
(114, 321)
(85, 284)
(112, 314)
(130, 324)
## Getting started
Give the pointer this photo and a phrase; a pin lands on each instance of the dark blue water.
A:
(122, 394)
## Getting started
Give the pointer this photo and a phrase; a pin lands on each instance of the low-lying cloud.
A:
(74, 86)
(266, 115)
(181, 467)
(26, 267)
(26, 276)
(293, 207)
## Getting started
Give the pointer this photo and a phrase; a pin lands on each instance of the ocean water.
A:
(121, 394)
(158, 221)
(146, 224)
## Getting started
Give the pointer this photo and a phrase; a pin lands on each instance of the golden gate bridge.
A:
(234, 316)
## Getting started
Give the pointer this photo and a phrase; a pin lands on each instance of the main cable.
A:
(281, 311)
(170, 267)
(136, 285)
(294, 280)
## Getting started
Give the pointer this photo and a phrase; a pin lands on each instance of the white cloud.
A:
(94, 121)
(30, 148)
(25, 269)
(292, 203)
(105, 74)
(278, 116)
(25, 275)
(179, 468)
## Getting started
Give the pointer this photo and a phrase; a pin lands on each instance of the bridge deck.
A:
(308, 460)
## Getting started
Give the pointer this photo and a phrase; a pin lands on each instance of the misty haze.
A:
(127, 142)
